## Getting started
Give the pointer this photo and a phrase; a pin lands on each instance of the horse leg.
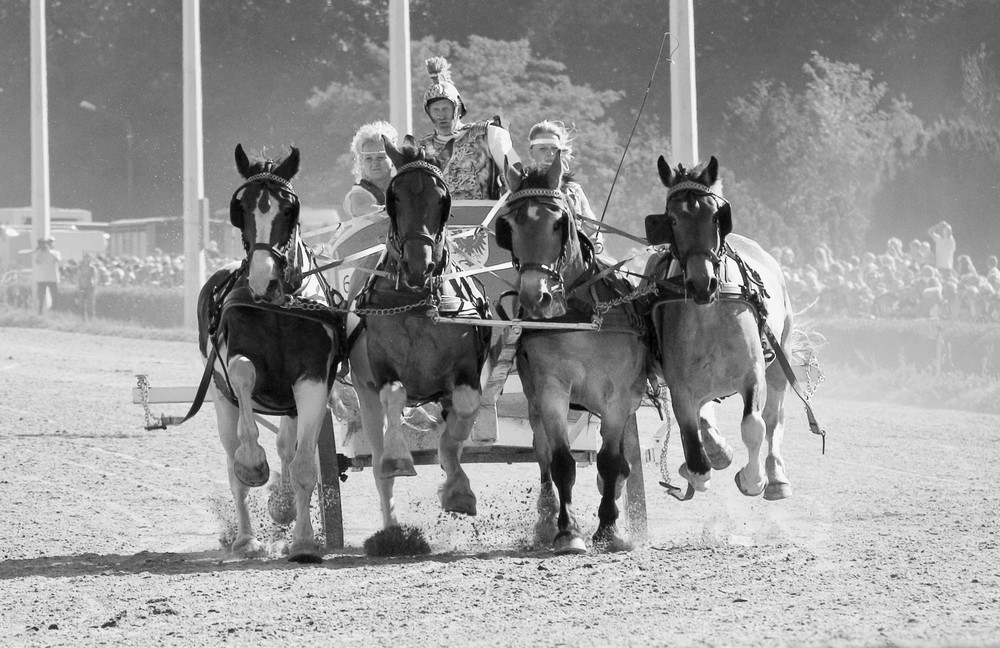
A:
(751, 479)
(553, 414)
(373, 424)
(396, 459)
(720, 453)
(456, 493)
(281, 500)
(310, 402)
(612, 471)
(548, 505)
(227, 415)
(778, 487)
(696, 469)
(251, 461)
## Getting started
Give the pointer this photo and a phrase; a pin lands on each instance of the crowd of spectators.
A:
(919, 280)
(916, 281)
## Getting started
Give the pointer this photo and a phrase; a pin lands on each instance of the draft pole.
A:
(40, 204)
(399, 67)
(194, 182)
(683, 93)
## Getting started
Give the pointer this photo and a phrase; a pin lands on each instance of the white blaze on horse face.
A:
(262, 266)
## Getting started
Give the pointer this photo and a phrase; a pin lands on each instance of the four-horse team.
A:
(709, 317)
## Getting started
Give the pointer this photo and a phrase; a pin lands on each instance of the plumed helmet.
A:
(441, 86)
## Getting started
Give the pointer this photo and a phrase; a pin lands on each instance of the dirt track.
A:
(110, 535)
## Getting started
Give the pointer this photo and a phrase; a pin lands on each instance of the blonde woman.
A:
(545, 139)
(372, 169)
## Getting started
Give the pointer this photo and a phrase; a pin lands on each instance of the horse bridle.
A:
(714, 254)
(395, 239)
(553, 271)
(279, 252)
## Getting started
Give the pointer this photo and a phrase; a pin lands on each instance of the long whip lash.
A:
(641, 106)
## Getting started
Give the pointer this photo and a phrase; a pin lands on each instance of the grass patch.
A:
(908, 385)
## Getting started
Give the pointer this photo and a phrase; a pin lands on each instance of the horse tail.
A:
(804, 341)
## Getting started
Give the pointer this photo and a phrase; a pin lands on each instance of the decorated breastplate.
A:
(469, 171)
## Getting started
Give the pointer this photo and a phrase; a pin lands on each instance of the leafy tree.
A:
(819, 157)
(502, 78)
(954, 175)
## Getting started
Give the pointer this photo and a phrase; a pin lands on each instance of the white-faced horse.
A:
(275, 343)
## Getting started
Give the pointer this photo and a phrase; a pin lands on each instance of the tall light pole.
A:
(683, 93)
(194, 182)
(129, 151)
(399, 67)
(40, 203)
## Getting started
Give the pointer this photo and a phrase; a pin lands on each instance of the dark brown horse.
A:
(604, 372)
(275, 344)
(403, 358)
(724, 295)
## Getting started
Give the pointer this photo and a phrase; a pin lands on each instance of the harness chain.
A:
(602, 307)
(143, 384)
(430, 300)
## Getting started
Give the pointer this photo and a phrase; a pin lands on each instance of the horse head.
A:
(540, 233)
(266, 211)
(695, 223)
(418, 203)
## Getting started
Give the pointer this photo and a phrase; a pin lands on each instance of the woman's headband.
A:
(552, 139)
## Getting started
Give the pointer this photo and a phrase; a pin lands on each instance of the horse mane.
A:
(251, 164)
(258, 160)
(536, 177)
(694, 175)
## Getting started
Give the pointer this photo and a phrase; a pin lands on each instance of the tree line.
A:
(808, 115)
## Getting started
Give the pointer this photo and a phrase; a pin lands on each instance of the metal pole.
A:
(399, 67)
(129, 169)
(40, 204)
(194, 184)
(683, 94)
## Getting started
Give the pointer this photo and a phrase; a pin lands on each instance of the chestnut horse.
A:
(724, 296)
(402, 356)
(274, 342)
(603, 371)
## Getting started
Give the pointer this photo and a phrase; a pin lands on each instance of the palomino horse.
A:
(724, 296)
(275, 344)
(604, 372)
(403, 358)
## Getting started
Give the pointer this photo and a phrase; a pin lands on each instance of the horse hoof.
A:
(567, 543)
(305, 552)
(252, 476)
(721, 459)
(459, 503)
(281, 507)
(746, 492)
(397, 468)
(699, 482)
(777, 491)
(545, 531)
(609, 541)
(247, 547)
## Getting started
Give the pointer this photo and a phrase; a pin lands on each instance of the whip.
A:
(641, 106)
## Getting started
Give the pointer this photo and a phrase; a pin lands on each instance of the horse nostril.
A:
(713, 285)
(544, 299)
(430, 269)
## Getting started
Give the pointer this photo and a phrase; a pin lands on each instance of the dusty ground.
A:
(110, 535)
